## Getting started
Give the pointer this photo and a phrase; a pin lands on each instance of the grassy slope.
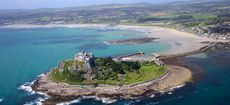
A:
(146, 72)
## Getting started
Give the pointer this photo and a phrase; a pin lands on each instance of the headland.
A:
(138, 76)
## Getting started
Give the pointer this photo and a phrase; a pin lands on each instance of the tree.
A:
(77, 76)
(135, 65)
(117, 67)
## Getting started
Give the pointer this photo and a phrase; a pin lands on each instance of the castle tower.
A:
(85, 57)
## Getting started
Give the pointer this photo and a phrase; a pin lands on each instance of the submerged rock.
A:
(133, 41)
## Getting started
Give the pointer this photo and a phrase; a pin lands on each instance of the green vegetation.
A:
(107, 71)
(122, 14)
(58, 76)
(164, 15)
(148, 71)
(201, 17)
(204, 16)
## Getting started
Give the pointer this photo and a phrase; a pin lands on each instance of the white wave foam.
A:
(106, 43)
(176, 87)
(36, 102)
(92, 97)
(103, 99)
(41, 75)
(108, 100)
(1, 99)
(27, 87)
(39, 100)
(172, 89)
(70, 102)
(152, 96)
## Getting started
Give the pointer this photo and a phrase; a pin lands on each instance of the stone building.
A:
(87, 58)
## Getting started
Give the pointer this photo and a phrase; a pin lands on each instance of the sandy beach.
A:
(180, 42)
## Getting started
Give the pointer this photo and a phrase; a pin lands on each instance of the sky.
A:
(35, 4)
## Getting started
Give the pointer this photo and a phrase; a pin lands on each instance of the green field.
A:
(204, 16)
(146, 72)
(165, 15)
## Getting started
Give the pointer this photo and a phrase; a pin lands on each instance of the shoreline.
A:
(65, 92)
(180, 42)
(152, 87)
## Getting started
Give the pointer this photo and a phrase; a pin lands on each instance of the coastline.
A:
(179, 75)
(176, 76)
(181, 42)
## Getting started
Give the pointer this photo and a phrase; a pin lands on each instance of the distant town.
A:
(210, 20)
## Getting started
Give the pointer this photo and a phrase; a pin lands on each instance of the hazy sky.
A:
(31, 4)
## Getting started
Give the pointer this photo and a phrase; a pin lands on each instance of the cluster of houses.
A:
(217, 32)
(209, 32)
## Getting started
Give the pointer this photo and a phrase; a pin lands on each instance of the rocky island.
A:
(86, 75)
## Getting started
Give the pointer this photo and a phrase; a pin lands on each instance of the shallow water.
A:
(26, 53)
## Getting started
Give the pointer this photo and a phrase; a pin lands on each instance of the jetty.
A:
(205, 48)
(117, 58)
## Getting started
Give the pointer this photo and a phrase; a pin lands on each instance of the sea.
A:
(27, 53)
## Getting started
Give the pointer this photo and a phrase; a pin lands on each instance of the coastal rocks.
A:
(133, 41)
(221, 46)
(64, 92)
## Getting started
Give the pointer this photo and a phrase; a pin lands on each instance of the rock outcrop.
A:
(174, 77)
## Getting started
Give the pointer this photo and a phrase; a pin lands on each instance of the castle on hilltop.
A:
(87, 58)
(82, 62)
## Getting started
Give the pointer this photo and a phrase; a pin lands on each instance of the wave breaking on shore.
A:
(107, 93)
(78, 100)
(107, 100)
(28, 88)
(1, 99)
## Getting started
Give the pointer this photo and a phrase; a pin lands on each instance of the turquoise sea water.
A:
(26, 53)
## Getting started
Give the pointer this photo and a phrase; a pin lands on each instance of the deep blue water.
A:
(26, 53)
